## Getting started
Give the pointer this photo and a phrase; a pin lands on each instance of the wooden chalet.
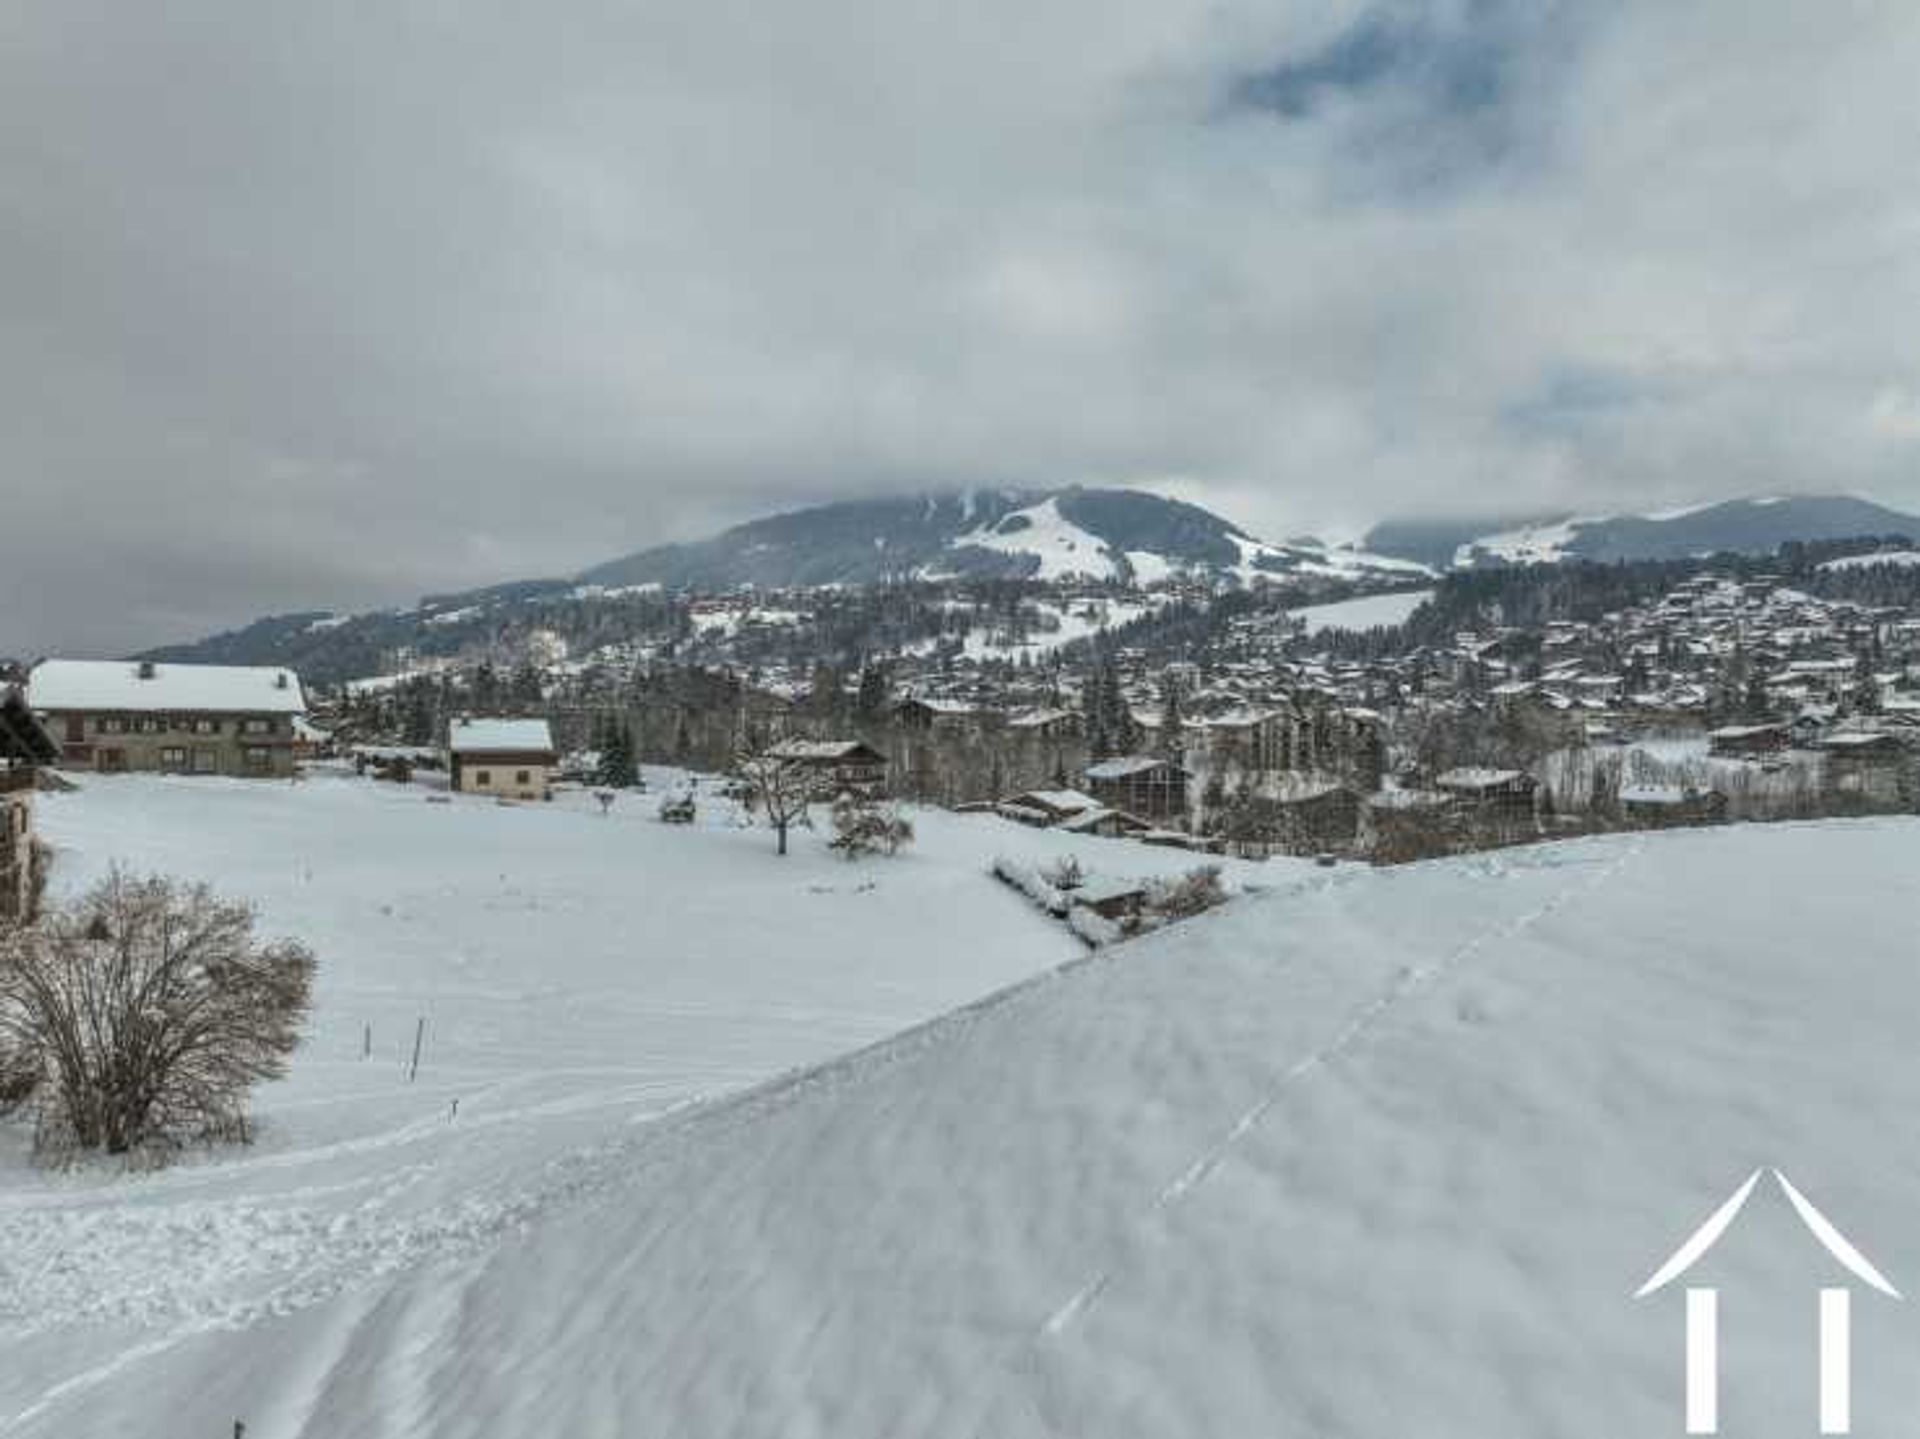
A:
(840, 766)
(1146, 785)
(1500, 793)
(1742, 740)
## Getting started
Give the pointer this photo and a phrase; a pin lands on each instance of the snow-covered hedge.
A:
(1035, 886)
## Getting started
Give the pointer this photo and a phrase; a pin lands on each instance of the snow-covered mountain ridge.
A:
(1743, 526)
(1127, 536)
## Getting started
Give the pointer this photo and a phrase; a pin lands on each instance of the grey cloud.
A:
(310, 309)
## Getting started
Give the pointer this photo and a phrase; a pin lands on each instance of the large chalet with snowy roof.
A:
(143, 715)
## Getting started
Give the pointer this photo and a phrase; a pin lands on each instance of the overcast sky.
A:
(312, 306)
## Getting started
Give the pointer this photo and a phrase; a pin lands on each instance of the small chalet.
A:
(1107, 824)
(1114, 899)
(1863, 747)
(1145, 785)
(508, 758)
(1046, 806)
(839, 765)
(1047, 724)
(941, 716)
(118, 715)
(25, 746)
(1741, 740)
(1503, 792)
(1657, 805)
(1293, 814)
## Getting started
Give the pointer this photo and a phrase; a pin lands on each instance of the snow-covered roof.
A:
(817, 749)
(1125, 766)
(134, 685)
(1472, 778)
(1090, 819)
(1055, 801)
(468, 735)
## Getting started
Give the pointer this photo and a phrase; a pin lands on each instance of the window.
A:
(482, 778)
(259, 759)
(173, 758)
(256, 726)
(524, 777)
(206, 726)
(113, 724)
(206, 761)
(149, 724)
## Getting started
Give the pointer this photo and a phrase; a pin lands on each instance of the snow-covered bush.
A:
(1033, 885)
(863, 825)
(1065, 873)
(1195, 892)
(143, 1013)
(1095, 929)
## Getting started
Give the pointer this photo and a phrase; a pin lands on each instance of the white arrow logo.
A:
(1703, 1310)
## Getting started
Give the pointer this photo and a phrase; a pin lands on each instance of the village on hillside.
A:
(1478, 711)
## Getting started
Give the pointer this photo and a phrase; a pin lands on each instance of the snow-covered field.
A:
(1365, 613)
(578, 976)
(1379, 1153)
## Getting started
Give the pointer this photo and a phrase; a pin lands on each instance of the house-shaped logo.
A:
(1703, 1310)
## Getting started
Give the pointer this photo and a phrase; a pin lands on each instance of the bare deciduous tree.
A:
(145, 1011)
(777, 788)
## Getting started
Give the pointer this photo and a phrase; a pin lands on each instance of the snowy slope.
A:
(1901, 559)
(1063, 549)
(1385, 1154)
(1365, 613)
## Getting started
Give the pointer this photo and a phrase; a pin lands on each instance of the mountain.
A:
(1118, 535)
(1751, 526)
(1123, 537)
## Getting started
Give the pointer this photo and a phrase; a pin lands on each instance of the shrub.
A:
(142, 1014)
(1195, 892)
(863, 826)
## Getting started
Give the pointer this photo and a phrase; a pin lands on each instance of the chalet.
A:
(839, 765)
(1862, 746)
(25, 746)
(1496, 792)
(942, 716)
(1114, 899)
(1107, 824)
(1046, 806)
(508, 758)
(1658, 805)
(1293, 814)
(1046, 724)
(114, 715)
(1747, 739)
(1145, 785)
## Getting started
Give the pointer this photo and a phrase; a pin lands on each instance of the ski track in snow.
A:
(1410, 982)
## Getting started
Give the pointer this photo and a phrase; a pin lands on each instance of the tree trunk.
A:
(781, 829)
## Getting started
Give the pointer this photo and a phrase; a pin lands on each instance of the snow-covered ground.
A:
(1904, 559)
(578, 976)
(1380, 1153)
(1365, 613)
